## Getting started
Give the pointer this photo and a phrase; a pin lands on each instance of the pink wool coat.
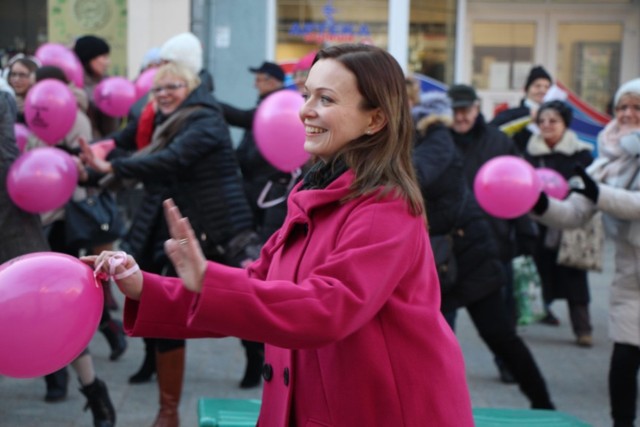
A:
(346, 298)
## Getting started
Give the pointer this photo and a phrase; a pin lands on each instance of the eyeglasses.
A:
(624, 107)
(171, 87)
(17, 75)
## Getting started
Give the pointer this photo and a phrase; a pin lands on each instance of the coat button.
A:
(267, 372)
(286, 376)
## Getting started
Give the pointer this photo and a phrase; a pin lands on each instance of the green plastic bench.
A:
(228, 412)
(496, 417)
(244, 413)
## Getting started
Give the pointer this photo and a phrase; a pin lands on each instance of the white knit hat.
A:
(632, 86)
(185, 49)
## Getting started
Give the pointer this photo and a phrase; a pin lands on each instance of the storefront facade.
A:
(590, 46)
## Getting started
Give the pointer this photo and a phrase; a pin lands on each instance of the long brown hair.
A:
(384, 158)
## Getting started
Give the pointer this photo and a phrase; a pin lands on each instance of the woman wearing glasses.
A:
(190, 159)
(22, 75)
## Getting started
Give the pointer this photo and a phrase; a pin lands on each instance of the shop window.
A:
(432, 38)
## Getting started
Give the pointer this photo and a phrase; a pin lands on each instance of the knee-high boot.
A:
(170, 371)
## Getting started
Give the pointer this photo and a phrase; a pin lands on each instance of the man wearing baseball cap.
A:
(264, 186)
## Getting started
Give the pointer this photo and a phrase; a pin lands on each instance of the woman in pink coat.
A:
(345, 295)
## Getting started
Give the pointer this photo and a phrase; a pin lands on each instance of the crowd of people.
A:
(313, 268)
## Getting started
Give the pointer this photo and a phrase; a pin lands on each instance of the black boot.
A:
(56, 386)
(148, 368)
(255, 360)
(98, 401)
(114, 333)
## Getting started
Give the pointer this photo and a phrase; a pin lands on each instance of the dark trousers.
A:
(623, 383)
(495, 326)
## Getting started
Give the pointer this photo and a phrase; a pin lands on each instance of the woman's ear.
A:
(377, 121)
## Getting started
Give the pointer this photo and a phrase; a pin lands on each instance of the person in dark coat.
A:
(515, 121)
(478, 143)
(452, 209)
(189, 159)
(266, 187)
(557, 147)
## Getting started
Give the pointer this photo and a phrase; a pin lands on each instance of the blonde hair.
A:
(173, 69)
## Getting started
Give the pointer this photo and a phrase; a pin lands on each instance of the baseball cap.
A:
(271, 69)
(462, 95)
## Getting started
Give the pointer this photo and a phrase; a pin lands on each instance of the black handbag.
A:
(445, 259)
(94, 220)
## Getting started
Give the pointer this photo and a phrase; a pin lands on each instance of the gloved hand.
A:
(590, 189)
(542, 204)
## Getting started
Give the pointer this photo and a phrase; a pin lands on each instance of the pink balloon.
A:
(22, 135)
(50, 307)
(102, 148)
(62, 57)
(42, 179)
(507, 186)
(50, 110)
(278, 131)
(145, 81)
(114, 96)
(554, 184)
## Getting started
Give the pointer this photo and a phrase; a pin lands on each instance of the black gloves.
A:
(590, 190)
(541, 205)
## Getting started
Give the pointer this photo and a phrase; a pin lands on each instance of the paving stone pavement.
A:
(577, 377)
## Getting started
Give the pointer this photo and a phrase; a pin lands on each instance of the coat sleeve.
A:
(162, 310)
(619, 202)
(571, 212)
(341, 294)
(196, 139)
(238, 117)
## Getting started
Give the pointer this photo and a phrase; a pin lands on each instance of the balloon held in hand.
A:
(506, 187)
(50, 307)
(554, 184)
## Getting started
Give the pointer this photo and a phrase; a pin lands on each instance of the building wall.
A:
(151, 23)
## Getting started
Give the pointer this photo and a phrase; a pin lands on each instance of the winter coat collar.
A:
(569, 144)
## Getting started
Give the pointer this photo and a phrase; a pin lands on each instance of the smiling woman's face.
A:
(628, 110)
(169, 92)
(332, 113)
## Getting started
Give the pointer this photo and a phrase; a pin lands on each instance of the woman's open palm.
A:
(183, 248)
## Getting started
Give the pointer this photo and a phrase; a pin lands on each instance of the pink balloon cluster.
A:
(50, 307)
(50, 110)
(114, 96)
(554, 184)
(279, 132)
(507, 186)
(62, 57)
(42, 179)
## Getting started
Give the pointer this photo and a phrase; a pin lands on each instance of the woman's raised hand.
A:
(183, 248)
(93, 161)
(119, 266)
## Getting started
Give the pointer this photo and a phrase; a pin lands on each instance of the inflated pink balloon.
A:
(62, 57)
(42, 179)
(50, 110)
(507, 186)
(554, 184)
(114, 96)
(22, 135)
(278, 131)
(102, 148)
(50, 307)
(145, 81)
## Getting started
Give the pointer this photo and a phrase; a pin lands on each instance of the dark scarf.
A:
(322, 174)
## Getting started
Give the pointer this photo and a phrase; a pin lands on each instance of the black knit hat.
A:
(89, 47)
(561, 107)
(536, 73)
